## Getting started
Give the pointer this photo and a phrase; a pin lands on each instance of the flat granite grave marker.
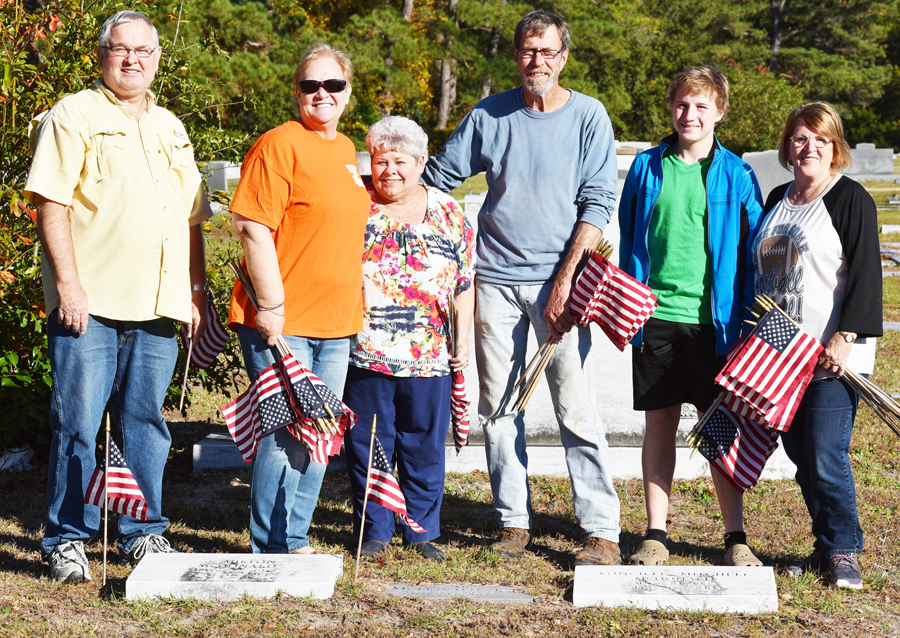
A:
(484, 593)
(736, 590)
(232, 576)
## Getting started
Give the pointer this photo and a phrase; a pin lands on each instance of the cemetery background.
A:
(209, 510)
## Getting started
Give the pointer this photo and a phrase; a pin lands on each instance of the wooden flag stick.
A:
(362, 522)
(105, 501)
(187, 366)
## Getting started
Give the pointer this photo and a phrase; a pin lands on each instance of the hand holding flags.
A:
(283, 394)
(604, 294)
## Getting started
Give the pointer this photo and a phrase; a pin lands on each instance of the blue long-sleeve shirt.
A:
(545, 172)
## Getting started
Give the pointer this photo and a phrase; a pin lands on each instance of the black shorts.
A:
(677, 363)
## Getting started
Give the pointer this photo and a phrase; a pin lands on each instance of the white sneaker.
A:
(149, 544)
(68, 564)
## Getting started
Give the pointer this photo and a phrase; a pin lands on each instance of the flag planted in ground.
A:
(737, 447)
(617, 302)
(770, 372)
(284, 395)
(384, 488)
(213, 339)
(125, 496)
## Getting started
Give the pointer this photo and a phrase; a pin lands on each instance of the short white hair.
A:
(399, 134)
(124, 17)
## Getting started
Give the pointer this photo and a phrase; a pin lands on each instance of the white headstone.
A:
(232, 576)
(736, 590)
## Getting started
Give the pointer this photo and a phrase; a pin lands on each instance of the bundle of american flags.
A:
(384, 488)
(617, 302)
(763, 382)
(205, 350)
(125, 496)
(284, 395)
(766, 377)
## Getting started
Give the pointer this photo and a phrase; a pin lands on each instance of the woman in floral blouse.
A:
(418, 254)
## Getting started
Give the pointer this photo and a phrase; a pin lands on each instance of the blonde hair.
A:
(701, 80)
(318, 51)
(824, 120)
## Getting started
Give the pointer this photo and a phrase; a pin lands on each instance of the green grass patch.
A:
(476, 184)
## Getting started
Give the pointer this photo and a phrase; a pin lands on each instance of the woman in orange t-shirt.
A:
(300, 211)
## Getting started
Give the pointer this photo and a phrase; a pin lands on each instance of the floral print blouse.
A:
(409, 273)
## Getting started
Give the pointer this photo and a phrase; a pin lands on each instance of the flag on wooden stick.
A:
(125, 496)
(617, 302)
(212, 341)
(385, 490)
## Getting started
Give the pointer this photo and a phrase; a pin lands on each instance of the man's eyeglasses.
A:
(122, 52)
(528, 54)
(819, 142)
(312, 86)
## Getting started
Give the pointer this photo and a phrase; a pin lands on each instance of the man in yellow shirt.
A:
(120, 202)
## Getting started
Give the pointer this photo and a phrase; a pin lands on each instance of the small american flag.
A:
(259, 411)
(617, 302)
(737, 447)
(385, 490)
(125, 496)
(459, 411)
(213, 339)
(770, 371)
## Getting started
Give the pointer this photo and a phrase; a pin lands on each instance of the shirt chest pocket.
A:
(179, 150)
(109, 157)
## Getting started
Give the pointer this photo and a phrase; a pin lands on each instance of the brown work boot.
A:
(598, 551)
(512, 542)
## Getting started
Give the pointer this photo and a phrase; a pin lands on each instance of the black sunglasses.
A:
(312, 86)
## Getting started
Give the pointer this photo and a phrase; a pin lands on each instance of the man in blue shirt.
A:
(548, 154)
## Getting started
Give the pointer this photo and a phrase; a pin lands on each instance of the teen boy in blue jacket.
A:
(688, 216)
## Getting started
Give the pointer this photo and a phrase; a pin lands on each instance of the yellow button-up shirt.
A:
(132, 190)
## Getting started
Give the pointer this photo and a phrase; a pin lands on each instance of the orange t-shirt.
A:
(307, 189)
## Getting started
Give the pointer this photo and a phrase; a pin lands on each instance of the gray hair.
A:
(125, 17)
(536, 23)
(399, 134)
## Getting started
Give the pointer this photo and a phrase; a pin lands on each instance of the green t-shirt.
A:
(680, 259)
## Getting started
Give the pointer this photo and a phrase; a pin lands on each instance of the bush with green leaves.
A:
(44, 55)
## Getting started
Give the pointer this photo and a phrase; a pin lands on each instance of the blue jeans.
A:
(413, 419)
(818, 442)
(126, 365)
(503, 315)
(285, 482)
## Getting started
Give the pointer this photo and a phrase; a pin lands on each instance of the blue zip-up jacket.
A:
(734, 212)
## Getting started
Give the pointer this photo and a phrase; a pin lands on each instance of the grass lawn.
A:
(209, 513)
